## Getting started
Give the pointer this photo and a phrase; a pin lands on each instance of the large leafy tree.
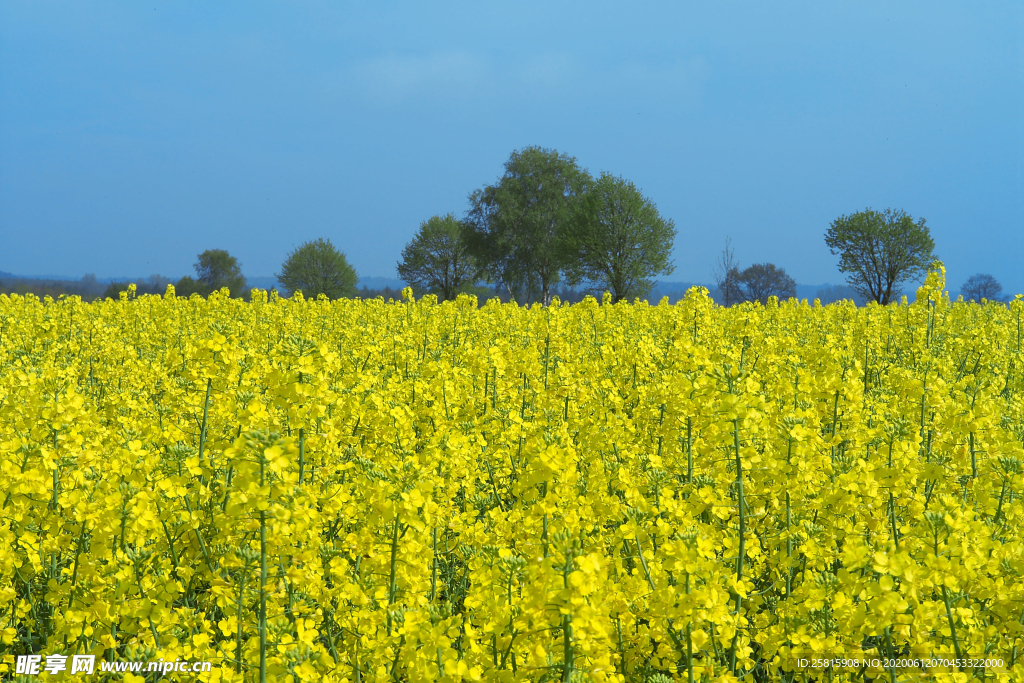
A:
(879, 251)
(518, 228)
(619, 241)
(316, 268)
(763, 280)
(216, 268)
(438, 260)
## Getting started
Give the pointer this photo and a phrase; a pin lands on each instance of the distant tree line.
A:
(880, 252)
(88, 287)
(547, 228)
(833, 293)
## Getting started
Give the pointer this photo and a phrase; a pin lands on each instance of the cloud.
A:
(684, 77)
(548, 70)
(458, 75)
(393, 78)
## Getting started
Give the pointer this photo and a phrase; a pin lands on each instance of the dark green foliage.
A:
(216, 269)
(763, 280)
(187, 286)
(518, 228)
(618, 240)
(386, 293)
(317, 268)
(437, 260)
(879, 251)
(114, 289)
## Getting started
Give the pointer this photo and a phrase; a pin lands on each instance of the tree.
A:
(114, 289)
(156, 284)
(187, 286)
(317, 268)
(880, 250)
(89, 286)
(727, 275)
(763, 280)
(438, 259)
(981, 286)
(618, 239)
(217, 268)
(517, 228)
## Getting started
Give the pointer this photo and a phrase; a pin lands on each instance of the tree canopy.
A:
(187, 286)
(215, 269)
(763, 280)
(517, 229)
(438, 260)
(618, 240)
(316, 268)
(879, 251)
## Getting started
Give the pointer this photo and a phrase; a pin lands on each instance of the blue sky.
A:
(135, 135)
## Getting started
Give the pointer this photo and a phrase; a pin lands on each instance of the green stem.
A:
(74, 573)
(974, 459)
(206, 414)
(789, 548)
(689, 639)
(302, 454)
(892, 655)
(1002, 497)
(263, 578)
(643, 563)
(202, 545)
(952, 627)
(393, 581)
(238, 634)
(544, 534)
(622, 649)
(167, 533)
(547, 356)
(689, 450)
(433, 567)
(789, 521)
(743, 543)
(568, 654)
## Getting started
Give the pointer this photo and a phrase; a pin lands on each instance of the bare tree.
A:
(727, 275)
(981, 286)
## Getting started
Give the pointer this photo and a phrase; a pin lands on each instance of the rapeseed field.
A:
(300, 490)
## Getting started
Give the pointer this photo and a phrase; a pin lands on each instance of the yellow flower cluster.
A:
(373, 491)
